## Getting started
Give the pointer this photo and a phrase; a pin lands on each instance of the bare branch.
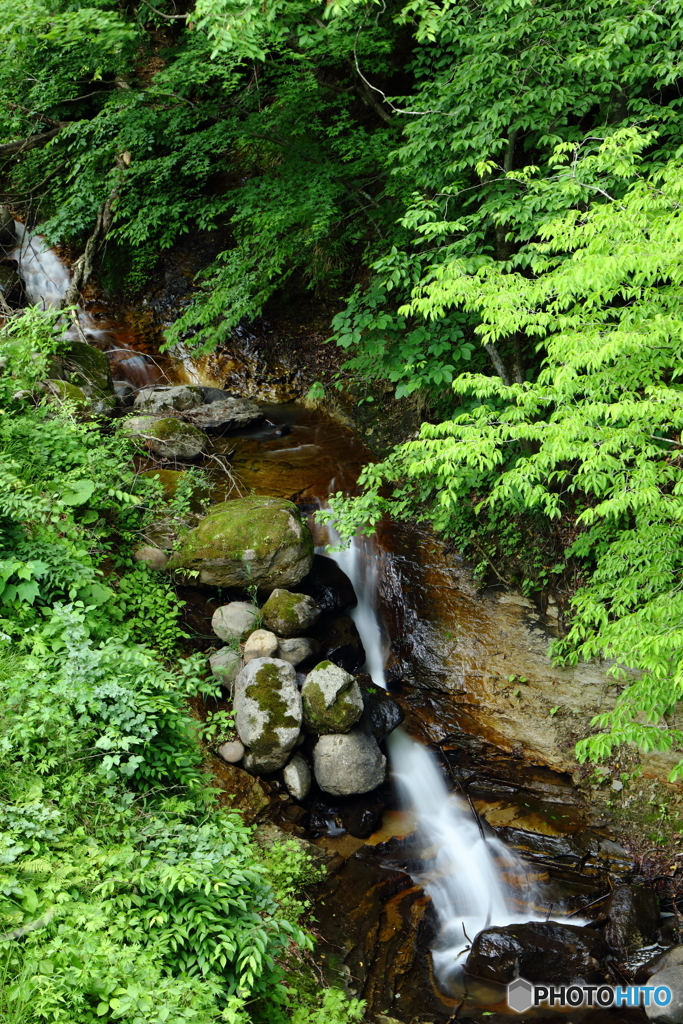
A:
(31, 142)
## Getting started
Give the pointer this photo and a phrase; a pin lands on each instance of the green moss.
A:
(89, 367)
(170, 429)
(63, 391)
(265, 691)
(245, 524)
(337, 717)
(323, 664)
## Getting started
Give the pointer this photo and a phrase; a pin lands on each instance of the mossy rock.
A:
(63, 391)
(169, 438)
(87, 403)
(268, 713)
(332, 700)
(257, 541)
(88, 368)
(288, 614)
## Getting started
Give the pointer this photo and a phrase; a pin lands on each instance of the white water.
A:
(360, 562)
(46, 279)
(463, 870)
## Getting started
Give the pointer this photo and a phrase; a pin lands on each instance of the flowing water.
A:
(471, 877)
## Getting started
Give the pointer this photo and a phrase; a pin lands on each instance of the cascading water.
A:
(464, 870)
(360, 562)
(46, 280)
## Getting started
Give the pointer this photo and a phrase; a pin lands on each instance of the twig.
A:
(464, 793)
(580, 910)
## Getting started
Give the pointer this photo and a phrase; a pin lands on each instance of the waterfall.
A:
(464, 869)
(46, 281)
(360, 561)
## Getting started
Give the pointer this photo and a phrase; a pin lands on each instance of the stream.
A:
(480, 825)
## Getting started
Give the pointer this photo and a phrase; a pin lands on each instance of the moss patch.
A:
(265, 690)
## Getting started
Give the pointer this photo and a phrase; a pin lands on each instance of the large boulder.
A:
(169, 438)
(267, 706)
(225, 414)
(332, 701)
(672, 957)
(539, 951)
(672, 1013)
(340, 642)
(348, 763)
(256, 541)
(632, 916)
(160, 400)
(234, 621)
(287, 614)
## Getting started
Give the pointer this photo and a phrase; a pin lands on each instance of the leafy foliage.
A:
(596, 436)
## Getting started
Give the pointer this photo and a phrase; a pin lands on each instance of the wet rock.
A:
(255, 541)
(232, 751)
(226, 414)
(332, 700)
(159, 400)
(267, 706)
(288, 614)
(155, 558)
(672, 978)
(381, 713)
(329, 585)
(168, 438)
(363, 815)
(225, 664)
(235, 620)
(240, 791)
(297, 777)
(669, 958)
(298, 649)
(340, 642)
(349, 763)
(538, 951)
(261, 644)
(632, 916)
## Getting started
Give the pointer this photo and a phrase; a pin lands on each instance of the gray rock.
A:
(672, 978)
(267, 706)
(672, 957)
(297, 649)
(288, 614)
(261, 644)
(155, 558)
(232, 751)
(124, 393)
(156, 400)
(234, 621)
(169, 438)
(225, 664)
(255, 541)
(297, 777)
(350, 763)
(225, 414)
(332, 701)
(632, 916)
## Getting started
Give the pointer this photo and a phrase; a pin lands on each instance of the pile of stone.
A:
(277, 707)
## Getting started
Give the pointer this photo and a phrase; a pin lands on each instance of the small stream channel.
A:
(479, 832)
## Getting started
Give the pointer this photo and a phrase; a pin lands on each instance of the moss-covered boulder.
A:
(61, 391)
(257, 541)
(167, 437)
(268, 713)
(88, 368)
(332, 701)
(288, 614)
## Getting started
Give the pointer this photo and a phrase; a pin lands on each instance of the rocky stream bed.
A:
(284, 629)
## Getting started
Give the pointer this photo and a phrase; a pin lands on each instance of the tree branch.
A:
(31, 142)
(498, 364)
